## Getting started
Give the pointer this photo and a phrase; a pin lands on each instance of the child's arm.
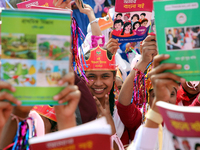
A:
(149, 50)
(64, 4)
(90, 13)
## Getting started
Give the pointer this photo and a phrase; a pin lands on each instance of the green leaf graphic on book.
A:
(6, 77)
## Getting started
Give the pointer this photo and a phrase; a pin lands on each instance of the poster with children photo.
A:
(132, 20)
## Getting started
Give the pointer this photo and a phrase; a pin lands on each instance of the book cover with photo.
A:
(178, 34)
(94, 135)
(132, 20)
(183, 125)
(35, 53)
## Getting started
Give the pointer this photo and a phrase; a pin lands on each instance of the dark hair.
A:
(112, 97)
(174, 137)
(175, 39)
(167, 38)
(119, 21)
(144, 20)
(197, 145)
(135, 15)
(187, 29)
(119, 14)
(144, 14)
(135, 24)
(125, 25)
(54, 126)
(169, 30)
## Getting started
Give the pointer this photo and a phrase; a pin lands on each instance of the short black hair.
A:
(175, 39)
(118, 21)
(119, 14)
(135, 15)
(197, 145)
(144, 14)
(144, 20)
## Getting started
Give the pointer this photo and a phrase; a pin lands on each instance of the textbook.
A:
(35, 53)
(183, 125)
(28, 4)
(132, 20)
(178, 34)
(94, 135)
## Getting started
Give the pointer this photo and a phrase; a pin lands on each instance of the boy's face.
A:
(144, 24)
(142, 17)
(118, 26)
(119, 17)
(125, 18)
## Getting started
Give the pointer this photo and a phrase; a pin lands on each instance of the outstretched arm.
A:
(90, 13)
(149, 50)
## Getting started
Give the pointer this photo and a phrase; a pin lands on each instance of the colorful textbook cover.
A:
(35, 53)
(178, 34)
(132, 20)
(94, 135)
(183, 125)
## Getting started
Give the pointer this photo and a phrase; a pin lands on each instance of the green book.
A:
(178, 34)
(35, 53)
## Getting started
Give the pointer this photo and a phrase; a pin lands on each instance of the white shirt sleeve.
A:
(145, 139)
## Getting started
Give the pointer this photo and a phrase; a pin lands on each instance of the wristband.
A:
(154, 116)
(96, 20)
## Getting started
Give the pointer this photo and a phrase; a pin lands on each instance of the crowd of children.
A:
(109, 90)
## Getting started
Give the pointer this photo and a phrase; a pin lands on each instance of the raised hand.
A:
(86, 10)
(164, 82)
(5, 103)
(65, 114)
(148, 49)
(61, 4)
(112, 45)
(105, 111)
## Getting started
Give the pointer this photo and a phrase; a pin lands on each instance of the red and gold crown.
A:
(46, 111)
(99, 60)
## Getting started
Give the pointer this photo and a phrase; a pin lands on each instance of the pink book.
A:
(28, 4)
(49, 8)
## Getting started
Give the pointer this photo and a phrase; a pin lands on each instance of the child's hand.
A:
(86, 10)
(164, 81)
(148, 49)
(61, 4)
(105, 112)
(5, 106)
(112, 45)
(65, 114)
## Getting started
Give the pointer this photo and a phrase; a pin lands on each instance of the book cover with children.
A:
(178, 34)
(35, 53)
(183, 125)
(132, 20)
